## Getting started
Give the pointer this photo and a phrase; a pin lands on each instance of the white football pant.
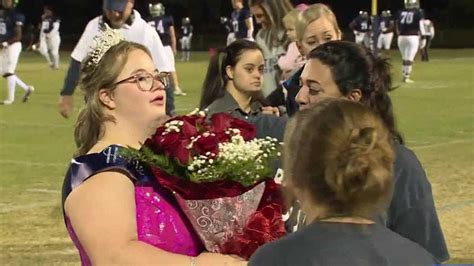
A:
(49, 48)
(385, 40)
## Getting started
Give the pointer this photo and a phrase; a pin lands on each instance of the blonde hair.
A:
(291, 17)
(341, 153)
(89, 125)
(311, 14)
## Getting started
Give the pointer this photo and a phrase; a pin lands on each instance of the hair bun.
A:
(351, 174)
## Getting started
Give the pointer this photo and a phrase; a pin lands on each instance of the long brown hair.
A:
(341, 153)
(89, 125)
(274, 11)
(216, 79)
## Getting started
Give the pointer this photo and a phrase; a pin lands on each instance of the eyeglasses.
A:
(147, 81)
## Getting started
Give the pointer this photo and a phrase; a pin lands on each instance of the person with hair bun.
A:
(339, 69)
(338, 160)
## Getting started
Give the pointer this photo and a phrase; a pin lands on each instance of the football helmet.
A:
(386, 13)
(412, 4)
(157, 9)
(363, 13)
(186, 20)
(224, 20)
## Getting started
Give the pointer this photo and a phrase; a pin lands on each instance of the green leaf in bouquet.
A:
(147, 156)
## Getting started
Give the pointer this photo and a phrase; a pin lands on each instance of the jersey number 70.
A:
(406, 17)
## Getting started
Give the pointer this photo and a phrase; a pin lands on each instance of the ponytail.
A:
(379, 101)
(215, 81)
(88, 127)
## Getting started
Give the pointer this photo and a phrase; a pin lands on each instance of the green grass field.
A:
(436, 115)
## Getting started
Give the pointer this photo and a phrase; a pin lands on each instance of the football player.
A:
(241, 19)
(227, 23)
(362, 26)
(49, 37)
(187, 34)
(427, 34)
(387, 27)
(409, 22)
(164, 26)
(11, 23)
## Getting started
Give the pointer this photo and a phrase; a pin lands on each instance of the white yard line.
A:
(452, 59)
(52, 240)
(43, 190)
(16, 124)
(24, 207)
(436, 145)
(30, 163)
(456, 205)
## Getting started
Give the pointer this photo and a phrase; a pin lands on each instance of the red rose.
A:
(222, 137)
(196, 121)
(168, 141)
(220, 122)
(153, 142)
(207, 144)
(180, 151)
(247, 130)
(188, 130)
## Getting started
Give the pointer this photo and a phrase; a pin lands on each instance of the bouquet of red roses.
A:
(220, 175)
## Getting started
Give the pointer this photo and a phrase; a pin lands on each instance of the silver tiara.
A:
(106, 38)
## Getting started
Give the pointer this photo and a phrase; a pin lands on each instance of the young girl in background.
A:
(292, 60)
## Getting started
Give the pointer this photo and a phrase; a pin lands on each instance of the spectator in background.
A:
(292, 60)
(315, 26)
(233, 85)
(271, 37)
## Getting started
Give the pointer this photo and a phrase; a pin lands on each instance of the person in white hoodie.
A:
(118, 14)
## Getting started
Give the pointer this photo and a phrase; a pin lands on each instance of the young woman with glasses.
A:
(114, 210)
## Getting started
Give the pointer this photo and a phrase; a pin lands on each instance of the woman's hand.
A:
(269, 110)
(207, 258)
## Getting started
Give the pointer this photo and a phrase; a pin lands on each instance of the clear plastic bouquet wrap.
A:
(221, 177)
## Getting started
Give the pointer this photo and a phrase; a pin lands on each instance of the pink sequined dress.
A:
(160, 222)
